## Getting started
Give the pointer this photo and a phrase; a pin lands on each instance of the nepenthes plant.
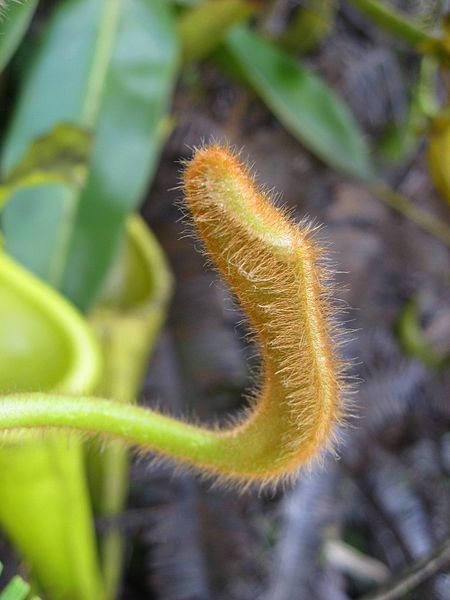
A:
(273, 267)
(84, 286)
(276, 270)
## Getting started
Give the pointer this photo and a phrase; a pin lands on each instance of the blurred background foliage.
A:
(16, 589)
(343, 106)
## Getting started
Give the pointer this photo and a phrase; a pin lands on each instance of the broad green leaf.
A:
(115, 77)
(58, 157)
(305, 104)
(14, 20)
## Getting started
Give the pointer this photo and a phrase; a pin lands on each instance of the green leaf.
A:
(305, 104)
(14, 20)
(108, 65)
(57, 157)
(412, 339)
(397, 23)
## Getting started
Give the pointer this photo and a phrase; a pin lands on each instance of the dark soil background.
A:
(387, 491)
(362, 516)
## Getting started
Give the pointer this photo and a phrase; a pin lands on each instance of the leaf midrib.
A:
(102, 54)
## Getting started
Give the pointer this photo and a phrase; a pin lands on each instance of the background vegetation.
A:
(343, 107)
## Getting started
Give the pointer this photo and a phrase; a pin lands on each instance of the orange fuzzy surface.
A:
(274, 268)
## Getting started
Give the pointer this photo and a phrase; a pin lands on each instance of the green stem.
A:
(137, 426)
(395, 23)
(241, 453)
(272, 266)
(112, 468)
(404, 206)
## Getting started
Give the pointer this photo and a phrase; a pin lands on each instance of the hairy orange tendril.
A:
(273, 267)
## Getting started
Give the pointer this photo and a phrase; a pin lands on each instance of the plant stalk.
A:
(405, 207)
(393, 21)
(413, 576)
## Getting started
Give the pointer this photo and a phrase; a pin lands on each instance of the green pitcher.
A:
(45, 345)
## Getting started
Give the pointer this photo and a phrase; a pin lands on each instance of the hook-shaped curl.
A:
(273, 266)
